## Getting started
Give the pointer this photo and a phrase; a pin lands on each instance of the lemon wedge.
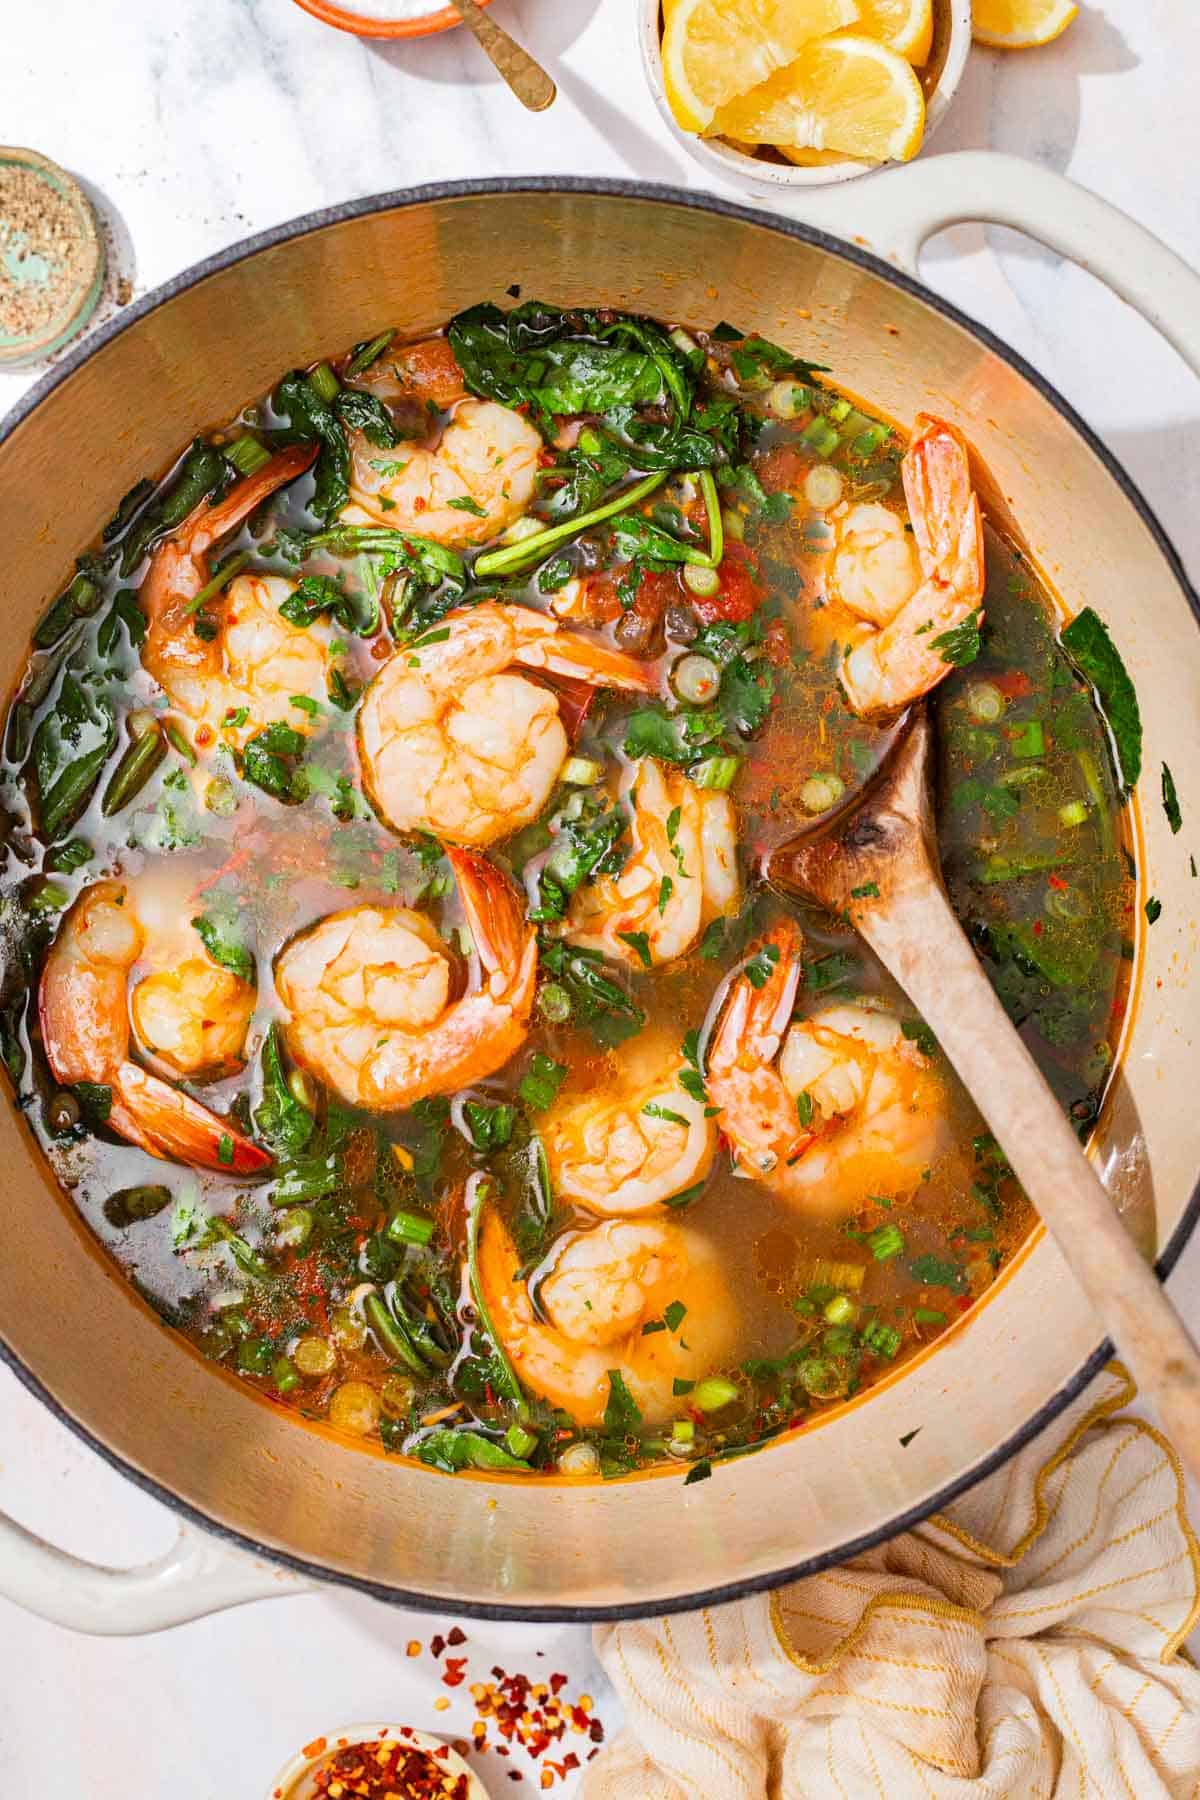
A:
(905, 26)
(1020, 24)
(845, 93)
(713, 50)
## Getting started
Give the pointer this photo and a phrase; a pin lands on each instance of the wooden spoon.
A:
(527, 79)
(886, 841)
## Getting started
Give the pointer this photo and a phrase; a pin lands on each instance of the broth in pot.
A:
(392, 985)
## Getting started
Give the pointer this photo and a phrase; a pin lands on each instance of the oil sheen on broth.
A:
(437, 892)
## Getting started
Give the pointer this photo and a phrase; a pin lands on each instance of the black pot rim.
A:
(848, 252)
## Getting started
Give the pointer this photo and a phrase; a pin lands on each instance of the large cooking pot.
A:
(188, 356)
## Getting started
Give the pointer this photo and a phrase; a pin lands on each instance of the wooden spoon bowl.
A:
(876, 862)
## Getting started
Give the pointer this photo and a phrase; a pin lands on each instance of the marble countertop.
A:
(196, 124)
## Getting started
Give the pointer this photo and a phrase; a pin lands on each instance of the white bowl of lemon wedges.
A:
(800, 93)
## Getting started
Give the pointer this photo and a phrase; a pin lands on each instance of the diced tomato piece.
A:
(1014, 684)
(741, 591)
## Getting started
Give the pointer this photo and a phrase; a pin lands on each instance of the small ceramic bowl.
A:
(951, 46)
(438, 18)
(290, 1784)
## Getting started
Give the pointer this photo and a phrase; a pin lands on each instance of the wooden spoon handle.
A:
(527, 79)
(916, 935)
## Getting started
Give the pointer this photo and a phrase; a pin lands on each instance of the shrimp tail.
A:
(755, 1018)
(179, 569)
(215, 521)
(496, 918)
(170, 1124)
(584, 659)
(943, 507)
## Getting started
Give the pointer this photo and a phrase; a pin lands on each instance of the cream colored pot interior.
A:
(73, 1322)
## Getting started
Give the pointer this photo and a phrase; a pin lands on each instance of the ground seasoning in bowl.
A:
(51, 263)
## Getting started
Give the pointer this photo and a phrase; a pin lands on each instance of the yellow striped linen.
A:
(1025, 1644)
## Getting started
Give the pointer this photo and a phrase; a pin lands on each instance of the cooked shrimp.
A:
(827, 1110)
(188, 1014)
(596, 1291)
(369, 994)
(456, 740)
(248, 674)
(910, 591)
(681, 874)
(425, 373)
(478, 479)
(634, 1144)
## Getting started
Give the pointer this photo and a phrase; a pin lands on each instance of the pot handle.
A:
(896, 211)
(196, 1576)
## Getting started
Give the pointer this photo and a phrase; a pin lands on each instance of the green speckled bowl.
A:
(80, 302)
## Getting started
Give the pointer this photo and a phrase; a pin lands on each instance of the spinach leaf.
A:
(366, 413)
(582, 850)
(597, 999)
(279, 1118)
(622, 1415)
(454, 1448)
(318, 594)
(221, 931)
(311, 418)
(933, 1271)
(202, 471)
(561, 363)
(271, 761)
(1170, 800)
(1087, 642)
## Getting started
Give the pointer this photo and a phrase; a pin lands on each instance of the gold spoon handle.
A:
(527, 79)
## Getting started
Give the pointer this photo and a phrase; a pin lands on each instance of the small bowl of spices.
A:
(51, 258)
(377, 1762)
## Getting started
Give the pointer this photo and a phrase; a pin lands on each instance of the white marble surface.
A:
(202, 121)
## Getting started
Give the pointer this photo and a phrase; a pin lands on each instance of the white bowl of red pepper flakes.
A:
(377, 1762)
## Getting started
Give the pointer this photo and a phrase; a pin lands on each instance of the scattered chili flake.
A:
(456, 1636)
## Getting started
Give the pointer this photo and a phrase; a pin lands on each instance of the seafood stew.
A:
(391, 983)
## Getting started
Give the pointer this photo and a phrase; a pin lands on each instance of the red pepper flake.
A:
(436, 1645)
(557, 1684)
(1057, 883)
(455, 1636)
(1038, 928)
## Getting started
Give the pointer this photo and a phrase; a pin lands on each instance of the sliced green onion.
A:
(696, 679)
(590, 442)
(220, 797)
(579, 1459)
(683, 1431)
(1074, 813)
(410, 1228)
(514, 557)
(1028, 739)
(283, 1375)
(821, 435)
(823, 487)
(885, 1242)
(840, 411)
(841, 1310)
(394, 1340)
(684, 342)
(985, 702)
(821, 792)
(868, 441)
(554, 1003)
(141, 723)
(527, 526)
(702, 581)
(787, 398)
(369, 353)
(179, 743)
(228, 569)
(324, 383)
(581, 771)
(294, 1228)
(246, 454)
(716, 518)
(928, 1315)
(714, 1393)
(718, 773)
(733, 524)
(519, 1442)
(1070, 904)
